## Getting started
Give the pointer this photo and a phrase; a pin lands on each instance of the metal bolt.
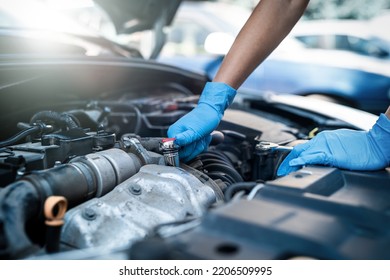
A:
(135, 189)
(89, 214)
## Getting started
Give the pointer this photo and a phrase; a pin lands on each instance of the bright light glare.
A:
(218, 43)
(69, 4)
(36, 15)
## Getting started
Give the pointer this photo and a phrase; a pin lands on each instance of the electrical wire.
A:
(19, 136)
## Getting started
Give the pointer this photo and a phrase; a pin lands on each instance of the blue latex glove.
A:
(344, 148)
(192, 131)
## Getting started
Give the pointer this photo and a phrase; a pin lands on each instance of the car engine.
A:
(87, 174)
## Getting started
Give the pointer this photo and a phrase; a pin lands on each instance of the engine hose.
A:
(19, 203)
(137, 113)
(83, 178)
(60, 119)
(138, 118)
(215, 154)
(19, 136)
(231, 190)
(218, 166)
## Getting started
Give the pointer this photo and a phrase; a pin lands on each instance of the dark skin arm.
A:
(268, 25)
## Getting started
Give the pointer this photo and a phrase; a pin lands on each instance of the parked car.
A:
(354, 36)
(357, 75)
(86, 171)
(378, 22)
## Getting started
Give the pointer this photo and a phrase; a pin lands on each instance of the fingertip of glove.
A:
(184, 138)
(296, 162)
(179, 140)
(172, 132)
(285, 170)
(281, 173)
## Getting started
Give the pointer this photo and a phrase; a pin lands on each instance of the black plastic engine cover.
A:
(317, 212)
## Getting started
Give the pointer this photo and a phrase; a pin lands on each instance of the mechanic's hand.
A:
(192, 131)
(344, 148)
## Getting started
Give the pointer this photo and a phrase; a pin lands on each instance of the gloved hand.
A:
(192, 131)
(344, 148)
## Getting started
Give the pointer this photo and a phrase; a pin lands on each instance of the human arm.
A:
(268, 24)
(344, 148)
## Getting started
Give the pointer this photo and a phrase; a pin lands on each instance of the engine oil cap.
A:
(170, 151)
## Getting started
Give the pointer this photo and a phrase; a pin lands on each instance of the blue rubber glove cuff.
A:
(380, 135)
(217, 95)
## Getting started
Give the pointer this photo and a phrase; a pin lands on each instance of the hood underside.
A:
(131, 16)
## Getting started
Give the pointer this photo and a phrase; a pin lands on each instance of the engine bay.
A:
(83, 175)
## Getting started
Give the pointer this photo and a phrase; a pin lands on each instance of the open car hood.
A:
(131, 16)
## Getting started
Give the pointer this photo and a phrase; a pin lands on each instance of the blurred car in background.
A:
(379, 23)
(354, 36)
(354, 72)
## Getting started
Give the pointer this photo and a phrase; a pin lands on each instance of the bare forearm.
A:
(268, 25)
(388, 113)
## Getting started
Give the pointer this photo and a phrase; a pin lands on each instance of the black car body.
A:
(84, 173)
